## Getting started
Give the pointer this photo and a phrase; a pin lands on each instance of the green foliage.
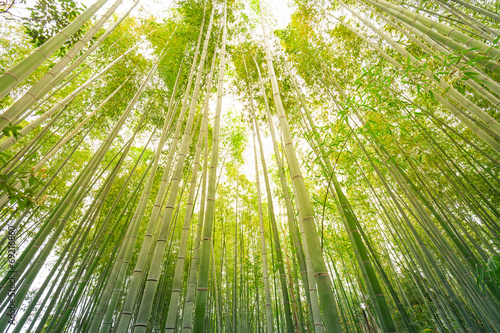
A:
(48, 17)
(489, 273)
(372, 118)
(24, 198)
(12, 130)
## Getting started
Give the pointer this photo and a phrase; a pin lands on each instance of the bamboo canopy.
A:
(250, 166)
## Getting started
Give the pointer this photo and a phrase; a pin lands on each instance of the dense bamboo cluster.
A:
(211, 172)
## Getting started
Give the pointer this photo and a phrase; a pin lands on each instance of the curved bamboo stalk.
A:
(272, 218)
(448, 90)
(323, 282)
(179, 266)
(292, 224)
(34, 93)
(478, 9)
(490, 141)
(17, 74)
(59, 106)
(206, 242)
(63, 214)
(265, 275)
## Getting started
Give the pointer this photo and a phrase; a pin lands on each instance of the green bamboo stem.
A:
(386, 213)
(448, 90)
(147, 243)
(234, 296)
(141, 322)
(424, 215)
(412, 252)
(436, 147)
(42, 191)
(203, 270)
(461, 271)
(478, 75)
(442, 29)
(469, 53)
(465, 24)
(265, 275)
(480, 10)
(349, 219)
(295, 302)
(421, 244)
(59, 106)
(98, 207)
(32, 146)
(88, 220)
(292, 225)
(20, 277)
(464, 250)
(75, 194)
(317, 321)
(187, 317)
(179, 267)
(440, 122)
(490, 141)
(115, 280)
(42, 289)
(82, 282)
(74, 65)
(70, 135)
(67, 212)
(477, 25)
(48, 98)
(279, 256)
(323, 282)
(17, 74)
(117, 276)
(216, 292)
(33, 94)
(22, 261)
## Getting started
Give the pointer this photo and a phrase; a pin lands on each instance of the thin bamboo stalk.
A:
(17, 74)
(206, 242)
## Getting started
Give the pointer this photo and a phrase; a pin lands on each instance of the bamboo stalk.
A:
(17, 74)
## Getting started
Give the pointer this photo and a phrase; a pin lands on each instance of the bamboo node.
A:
(15, 77)
(64, 34)
(42, 52)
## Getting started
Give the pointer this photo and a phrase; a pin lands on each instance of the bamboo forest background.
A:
(237, 166)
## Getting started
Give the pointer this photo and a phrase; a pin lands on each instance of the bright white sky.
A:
(279, 9)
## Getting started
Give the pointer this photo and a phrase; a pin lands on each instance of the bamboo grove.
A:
(205, 168)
